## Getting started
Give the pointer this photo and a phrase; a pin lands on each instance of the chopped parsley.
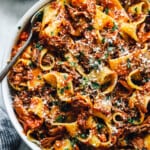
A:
(60, 118)
(146, 79)
(39, 77)
(39, 46)
(67, 58)
(52, 33)
(90, 28)
(103, 40)
(100, 126)
(108, 97)
(94, 63)
(73, 64)
(60, 62)
(130, 120)
(80, 56)
(106, 55)
(56, 102)
(99, 61)
(66, 149)
(67, 87)
(32, 65)
(84, 81)
(62, 90)
(122, 49)
(83, 135)
(128, 63)
(136, 10)
(106, 10)
(95, 85)
(65, 2)
(110, 48)
(65, 76)
(74, 141)
(115, 27)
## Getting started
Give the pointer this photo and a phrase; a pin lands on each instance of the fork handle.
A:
(15, 58)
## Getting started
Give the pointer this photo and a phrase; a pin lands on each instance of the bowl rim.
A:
(7, 98)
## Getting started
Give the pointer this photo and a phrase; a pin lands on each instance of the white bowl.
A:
(5, 87)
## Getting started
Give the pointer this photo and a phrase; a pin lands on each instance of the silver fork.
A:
(21, 50)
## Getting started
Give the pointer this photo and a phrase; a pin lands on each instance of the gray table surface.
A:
(10, 13)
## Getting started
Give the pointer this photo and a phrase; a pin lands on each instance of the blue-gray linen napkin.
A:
(9, 139)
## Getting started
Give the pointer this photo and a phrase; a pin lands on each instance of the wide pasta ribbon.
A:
(141, 102)
(135, 74)
(36, 81)
(46, 67)
(120, 64)
(51, 25)
(106, 78)
(131, 28)
(63, 83)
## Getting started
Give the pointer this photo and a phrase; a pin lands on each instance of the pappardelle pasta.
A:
(83, 83)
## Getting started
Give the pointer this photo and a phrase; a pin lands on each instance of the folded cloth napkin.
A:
(9, 139)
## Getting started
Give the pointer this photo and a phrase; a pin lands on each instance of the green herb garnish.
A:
(39, 46)
(130, 120)
(90, 28)
(83, 135)
(136, 9)
(74, 141)
(106, 55)
(106, 10)
(67, 58)
(85, 81)
(146, 79)
(52, 33)
(122, 49)
(73, 64)
(115, 27)
(95, 85)
(64, 2)
(110, 48)
(60, 62)
(60, 118)
(108, 97)
(100, 126)
(56, 102)
(61, 91)
(103, 40)
(94, 63)
(32, 65)
(39, 77)
(128, 63)
(65, 76)
(67, 87)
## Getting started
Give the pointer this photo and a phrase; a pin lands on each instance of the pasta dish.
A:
(83, 82)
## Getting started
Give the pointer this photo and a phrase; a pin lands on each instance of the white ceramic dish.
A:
(5, 87)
